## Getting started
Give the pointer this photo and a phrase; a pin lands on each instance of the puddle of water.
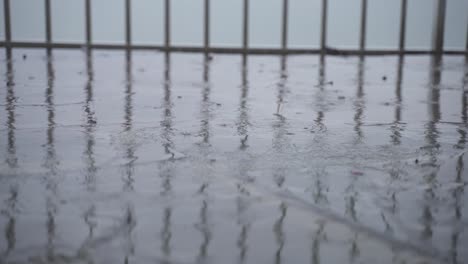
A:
(147, 157)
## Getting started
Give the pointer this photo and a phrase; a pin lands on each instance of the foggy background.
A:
(226, 22)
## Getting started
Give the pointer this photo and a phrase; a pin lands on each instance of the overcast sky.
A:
(226, 19)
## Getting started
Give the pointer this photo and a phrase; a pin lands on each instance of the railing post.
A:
(466, 48)
(284, 38)
(362, 44)
(439, 27)
(48, 24)
(167, 24)
(404, 7)
(6, 11)
(323, 40)
(207, 25)
(246, 26)
(88, 22)
(128, 23)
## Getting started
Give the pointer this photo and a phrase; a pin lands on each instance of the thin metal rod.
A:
(167, 24)
(88, 22)
(48, 25)
(6, 11)
(284, 38)
(207, 25)
(404, 7)
(128, 23)
(439, 27)
(323, 40)
(245, 41)
(362, 44)
(231, 50)
(466, 39)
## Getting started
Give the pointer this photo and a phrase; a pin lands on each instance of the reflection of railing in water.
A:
(359, 105)
(10, 228)
(51, 161)
(397, 127)
(203, 225)
(205, 112)
(128, 125)
(12, 159)
(243, 122)
(432, 148)
(395, 138)
(460, 168)
(90, 124)
(438, 40)
(457, 194)
(167, 172)
(243, 126)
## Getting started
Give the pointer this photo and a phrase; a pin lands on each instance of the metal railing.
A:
(438, 40)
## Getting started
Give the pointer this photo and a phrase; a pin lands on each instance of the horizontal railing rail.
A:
(437, 45)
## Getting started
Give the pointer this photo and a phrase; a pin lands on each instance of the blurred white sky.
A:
(226, 22)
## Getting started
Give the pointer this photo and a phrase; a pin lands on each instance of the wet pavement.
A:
(145, 157)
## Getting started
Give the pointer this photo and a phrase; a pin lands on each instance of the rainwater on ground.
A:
(147, 157)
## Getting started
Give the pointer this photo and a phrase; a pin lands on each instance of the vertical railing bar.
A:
(88, 22)
(128, 25)
(323, 40)
(284, 38)
(167, 24)
(207, 25)
(404, 7)
(362, 44)
(246, 26)
(439, 27)
(48, 25)
(6, 11)
(466, 48)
